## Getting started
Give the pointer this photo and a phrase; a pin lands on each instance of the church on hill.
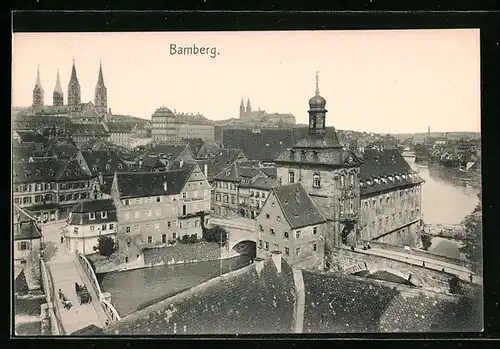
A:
(89, 112)
(247, 114)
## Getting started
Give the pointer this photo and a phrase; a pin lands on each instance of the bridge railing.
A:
(48, 286)
(104, 298)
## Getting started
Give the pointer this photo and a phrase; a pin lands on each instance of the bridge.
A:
(240, 230)
(245, 230)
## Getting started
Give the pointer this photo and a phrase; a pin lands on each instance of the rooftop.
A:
(47, 170)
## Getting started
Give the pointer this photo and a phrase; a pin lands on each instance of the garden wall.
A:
(182, 253)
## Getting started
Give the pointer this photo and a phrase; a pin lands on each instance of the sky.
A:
(384, 81)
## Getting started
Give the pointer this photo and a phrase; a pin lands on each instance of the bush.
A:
(172, 241)
(106, 246)
(189, 239)
(426, 241)
(454, 284)
(216, 234)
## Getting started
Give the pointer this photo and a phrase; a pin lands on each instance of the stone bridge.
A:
(240, 229)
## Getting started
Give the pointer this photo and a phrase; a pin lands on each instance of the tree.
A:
(106, 246)
(426, 241)
(472, 242)
(216, 234)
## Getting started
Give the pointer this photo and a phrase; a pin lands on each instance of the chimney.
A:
(101, 179)
(276, 256)
(205, 170)
(165, 186)
(297, 193)
(181, 163)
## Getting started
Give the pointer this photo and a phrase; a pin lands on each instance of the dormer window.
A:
(92, 216)
(38, 173)
(104, 214)
(97, 160)
(51, 172)
(94, 167)
(108, 167)
(120, 166)
(27, 174)
(316, 180)
(291, 177)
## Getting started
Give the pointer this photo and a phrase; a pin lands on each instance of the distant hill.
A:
(128, 119)
(421, 136)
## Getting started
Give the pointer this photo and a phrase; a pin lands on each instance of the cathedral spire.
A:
(100, 79)
(74, 93)
(57, 95)
(249, 108)
(74, 77)
(101, 94)
(58, 88)
(38, 90)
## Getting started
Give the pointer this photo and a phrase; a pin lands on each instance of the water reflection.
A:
(136, 289)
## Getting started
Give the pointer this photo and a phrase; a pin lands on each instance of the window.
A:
(184, 210)
(217, 197)
(315, 247)
(148, 225)
(127, 216)
(169, 224)
(174, 236)
(297, 251)
(271, 230)
(260, 243)
(150, 239)
(180, 225)
(341, 208)
(92, 228)
(297, 234)
(316, 181)
(23, 245)
(137, 227)
(285, 235)
(163, 238)
(104, 227)
(263, 195)
(158, 199)
(267, 245)
(148, 213)
(287, 251)
(342, 179)
(232, 199)
(267, 215)
(291, 177)
(92, 216)
(125, 202)
(75, 230)
(111, 226)
(272, 204)
(127, 229)
(315, 230)
(261, 228)
(278, 218)
(225, 198)
(184, 195)
(276, 247)
(351, 206)
(351, 179)
(104, 214)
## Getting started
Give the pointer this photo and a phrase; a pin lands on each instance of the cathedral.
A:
(247, 114)
(79, 112)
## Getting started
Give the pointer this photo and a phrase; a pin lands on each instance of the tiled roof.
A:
(319, 141)
(329, 156)
(194, 144)
(152, 162)
(90, 130)
(116, 127)
(140, 184)
(25, 153)
(247, 301)
(31, 137)
(382, 164)
(270, 171)
(106, 162)
(47, 170)
(64, 151)
(261, 183)
(222, 159)
(337, 303)
(80, 213)
(235, 172)
(297, 206)
(24, 225)
(171, 152)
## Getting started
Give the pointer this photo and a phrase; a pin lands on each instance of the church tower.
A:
(74, 94)
(249, 108)
(101, 94)
(328, 173)
(58, 95)
(242, 109)
(38, 97)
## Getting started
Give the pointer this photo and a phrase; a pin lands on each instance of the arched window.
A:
(316, 180)
(342, 181)
(351, 179)
(291, 177)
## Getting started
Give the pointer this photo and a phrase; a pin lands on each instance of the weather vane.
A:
(317, 82)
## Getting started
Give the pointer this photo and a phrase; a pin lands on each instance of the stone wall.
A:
(182, 253)
(344, 260)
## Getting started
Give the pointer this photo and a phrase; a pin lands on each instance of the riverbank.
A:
(447, 231)
(176, 254)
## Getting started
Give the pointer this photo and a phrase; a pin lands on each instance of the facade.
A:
(329, 173)
(119, 134)
(173, 127)
(27, 234)
(391, 198)
(261, 116)
(253, 195)
(50, 188)
(291, 223)
(226, 188)
(157, 207)
(83, 133)
(87, 222)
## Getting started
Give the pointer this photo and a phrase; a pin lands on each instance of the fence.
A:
(104, 298)
(48, 286)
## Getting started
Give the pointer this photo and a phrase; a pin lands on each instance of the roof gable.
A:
(106, 162)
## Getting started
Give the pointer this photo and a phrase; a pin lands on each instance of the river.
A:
(135, 289)
(446, 199)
